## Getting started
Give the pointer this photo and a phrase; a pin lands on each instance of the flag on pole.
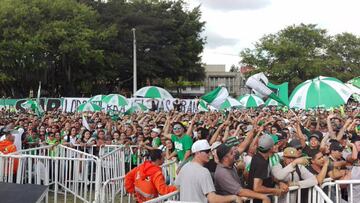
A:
(39, 110)
(216, 97)
(202, 106)
(259, 83)
(282, 91)
(85, 123)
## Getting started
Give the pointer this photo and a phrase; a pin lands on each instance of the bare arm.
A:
(214, 198)
(249, 137)
(258, 187)
(343, 129)
(216, 134)
(251, 194)
(321, 176)
(166, 129)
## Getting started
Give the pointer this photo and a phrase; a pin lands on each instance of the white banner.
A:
(70, 104)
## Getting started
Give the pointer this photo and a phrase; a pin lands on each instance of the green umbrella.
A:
(320, 92)
(153, 92)
(136, 107)
(229, 103)
(88, 106)
(115, 99)
(355, 82)
(97, 98)
(250, 101)
(271, 102)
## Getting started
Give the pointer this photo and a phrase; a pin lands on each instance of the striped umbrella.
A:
(320, 92)
(250, 101)
(136, 107)
(88, 106)
(115, 99)
(271, 102)
(229, 102)
(153, 92)
(97, 98)
(355, 82)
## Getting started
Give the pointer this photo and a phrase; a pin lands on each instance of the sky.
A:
(232, 25)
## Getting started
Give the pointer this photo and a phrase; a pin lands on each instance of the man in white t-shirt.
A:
(194, 180)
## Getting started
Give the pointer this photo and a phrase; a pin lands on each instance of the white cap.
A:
(156, 130)
(200, 145)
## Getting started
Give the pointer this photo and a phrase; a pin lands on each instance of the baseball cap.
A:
(215, 145)
(200, 145)
(291, 152)
(336, 146)
(156, 130)
(355, 138)
(232, 141)
(295, 143)
(266, 142)
(222, 150)
(275, 138)
(314, 135)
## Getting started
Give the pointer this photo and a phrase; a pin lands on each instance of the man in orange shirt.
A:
(7, 146)
(147, 180)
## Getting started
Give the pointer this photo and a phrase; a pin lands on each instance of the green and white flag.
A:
(202, 106)
(320, 92)
(250, 101)
(39, 110)
(259, 84)
(216, 97)
(31, 105)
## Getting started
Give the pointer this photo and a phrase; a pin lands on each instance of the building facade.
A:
(216, 75)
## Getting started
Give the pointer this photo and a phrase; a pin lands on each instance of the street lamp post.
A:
(134, 57)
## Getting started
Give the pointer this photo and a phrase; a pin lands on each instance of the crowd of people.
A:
(222, 156)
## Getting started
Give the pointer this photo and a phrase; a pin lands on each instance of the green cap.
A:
(275, 138)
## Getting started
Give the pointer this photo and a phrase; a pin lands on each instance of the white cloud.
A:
(228, 5)
(232, 25)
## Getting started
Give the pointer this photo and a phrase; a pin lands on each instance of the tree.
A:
(297, 53)
(54, 41)
(345, 48)
(168, 40)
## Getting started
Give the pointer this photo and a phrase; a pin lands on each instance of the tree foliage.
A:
(84, 47)
(302, 52)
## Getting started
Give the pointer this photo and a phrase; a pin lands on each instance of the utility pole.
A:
(134, 57)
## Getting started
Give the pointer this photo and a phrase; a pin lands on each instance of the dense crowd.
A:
(222, 155)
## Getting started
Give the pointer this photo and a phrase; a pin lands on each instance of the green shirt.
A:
(182, 144)
(156, 142)
(274, 160)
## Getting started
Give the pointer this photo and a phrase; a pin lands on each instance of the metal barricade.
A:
(335, 193)
(166, 198)
(65, 170)
(113, 190)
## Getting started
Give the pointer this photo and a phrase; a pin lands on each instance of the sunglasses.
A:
(177, 128)
(206, 151)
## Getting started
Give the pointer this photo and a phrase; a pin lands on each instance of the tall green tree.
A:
(55, 41)
(302, 52)
(168, 40)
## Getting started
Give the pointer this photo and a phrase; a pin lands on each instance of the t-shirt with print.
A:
(182, 144)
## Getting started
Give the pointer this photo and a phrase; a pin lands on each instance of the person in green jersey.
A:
(182, 140)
